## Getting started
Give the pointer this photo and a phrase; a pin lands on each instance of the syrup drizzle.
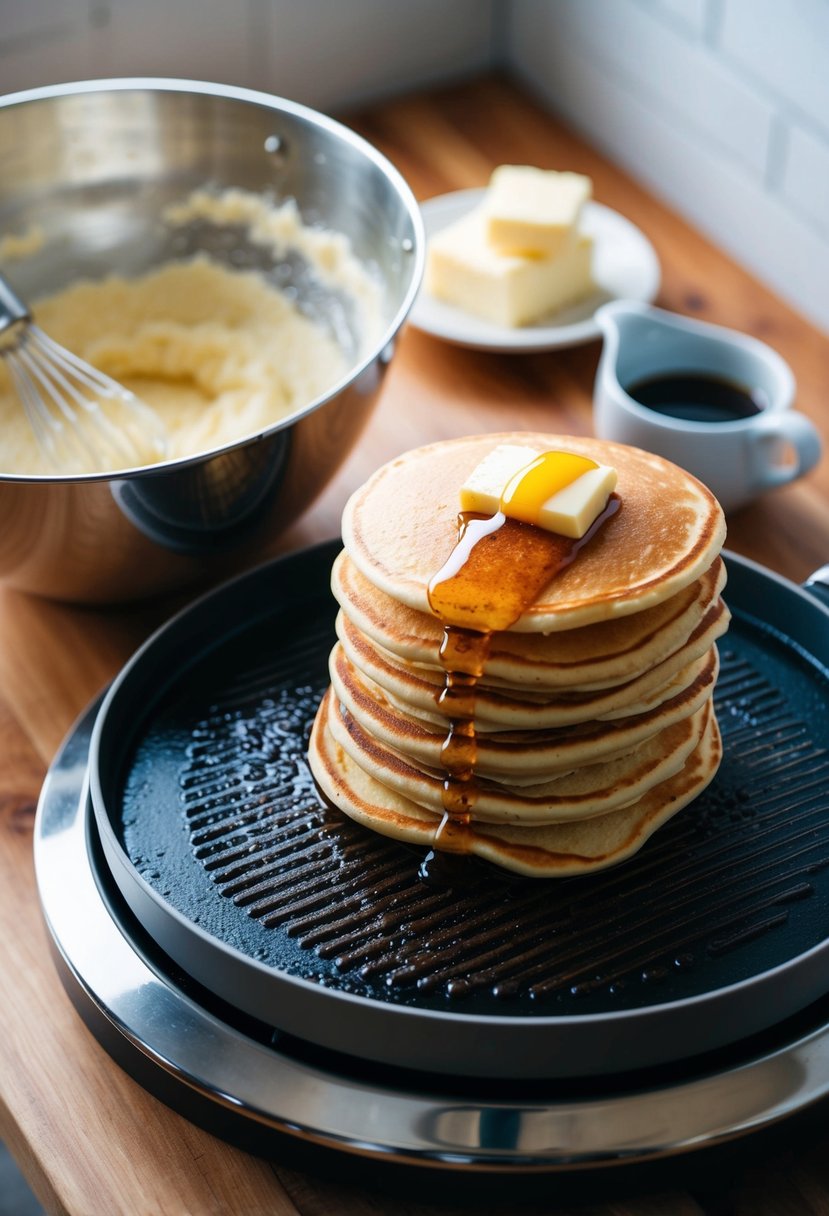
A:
(496, 571)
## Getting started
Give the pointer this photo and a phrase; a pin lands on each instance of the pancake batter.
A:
(218, 353)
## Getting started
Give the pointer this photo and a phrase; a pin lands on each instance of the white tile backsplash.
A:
(678, 76)
(197, 39)
(805, 178)
(720, 106)
(689, 16)
(326, 54)
(784, 45)
(756, 227)
(73, 54)
(22, 19)
(323, 52)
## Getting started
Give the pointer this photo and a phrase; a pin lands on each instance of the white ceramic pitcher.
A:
(737, 459)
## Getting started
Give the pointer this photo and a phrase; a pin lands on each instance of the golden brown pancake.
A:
(595, 656)
(415, 689)
(591, 790)
(552, 850)
(400, 527)
(591, 720)
(517, 757)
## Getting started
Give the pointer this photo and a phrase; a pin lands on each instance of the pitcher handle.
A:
(792, 428)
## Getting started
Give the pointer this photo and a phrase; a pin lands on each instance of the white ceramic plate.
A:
(625, 266)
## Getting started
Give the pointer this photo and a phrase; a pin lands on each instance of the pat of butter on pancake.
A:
(561, 492)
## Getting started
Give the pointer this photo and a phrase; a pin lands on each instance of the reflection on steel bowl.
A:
(122, 178)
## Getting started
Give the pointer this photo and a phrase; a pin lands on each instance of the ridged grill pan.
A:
(215, 835)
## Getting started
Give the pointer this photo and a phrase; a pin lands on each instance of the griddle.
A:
(215, 836)
(465, 1139)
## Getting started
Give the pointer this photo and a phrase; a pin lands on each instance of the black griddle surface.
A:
(214, 805)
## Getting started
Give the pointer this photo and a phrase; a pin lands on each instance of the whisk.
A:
(82, 419)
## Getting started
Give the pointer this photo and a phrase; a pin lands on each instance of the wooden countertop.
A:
(88, 1138)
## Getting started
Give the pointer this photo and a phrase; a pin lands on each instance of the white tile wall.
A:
(690, 16)
(653, 61)
(327, 53)
(721, 106)
(46, 61)
(805, 180)
(40, 18)
(784, 46)
(199, 39)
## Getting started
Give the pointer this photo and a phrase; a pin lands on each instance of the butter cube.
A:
(464, 270)
(568, 511)
(533, 212)
(486, 483)
(571, 511)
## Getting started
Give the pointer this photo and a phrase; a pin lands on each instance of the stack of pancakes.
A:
(593, 719)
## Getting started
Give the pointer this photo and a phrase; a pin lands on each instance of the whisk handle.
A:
(12, 308)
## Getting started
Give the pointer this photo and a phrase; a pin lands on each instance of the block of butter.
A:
(559, 491)
(532, 211)
(463, 269)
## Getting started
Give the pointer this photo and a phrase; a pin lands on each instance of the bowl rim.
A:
(380, 348)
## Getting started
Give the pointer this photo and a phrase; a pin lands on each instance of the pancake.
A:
(519, 758)
(400, 527)
(416, 689)
(557, 744)
(548, 851)
(591, 790)
(595, 656)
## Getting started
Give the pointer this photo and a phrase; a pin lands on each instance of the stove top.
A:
(280, 1097)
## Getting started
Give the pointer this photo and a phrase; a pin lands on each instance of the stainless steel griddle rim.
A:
(435, 1130)
(441, 1041)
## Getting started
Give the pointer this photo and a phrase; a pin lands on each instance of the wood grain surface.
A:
(90, 1141)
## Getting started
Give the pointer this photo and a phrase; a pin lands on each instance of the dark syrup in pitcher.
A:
(696, 397)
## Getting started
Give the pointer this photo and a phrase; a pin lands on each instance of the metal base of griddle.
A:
(280, 1098)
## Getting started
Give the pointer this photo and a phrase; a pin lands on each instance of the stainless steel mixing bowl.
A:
(91, 169)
